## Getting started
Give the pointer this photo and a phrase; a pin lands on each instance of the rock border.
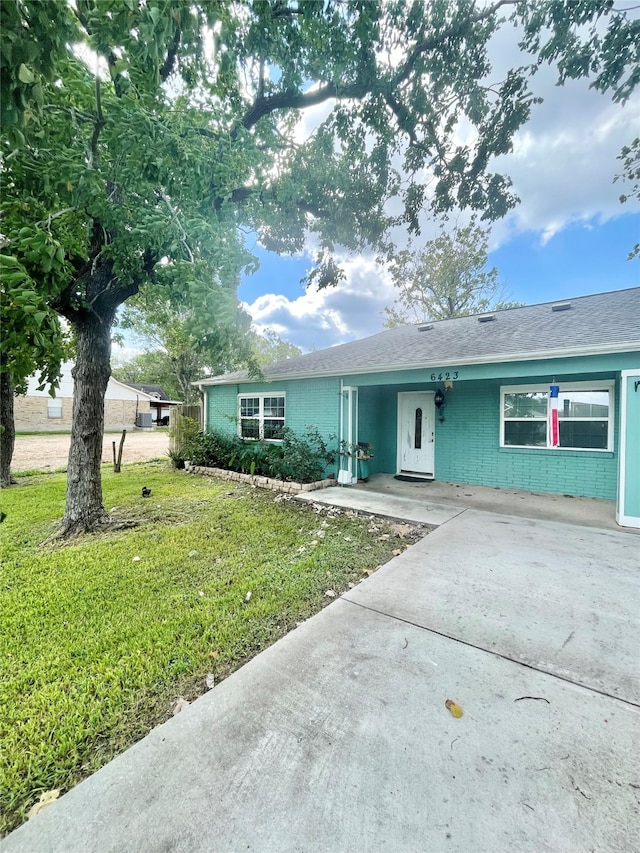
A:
(262, 482)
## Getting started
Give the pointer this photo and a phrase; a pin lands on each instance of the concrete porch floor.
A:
(588, 512)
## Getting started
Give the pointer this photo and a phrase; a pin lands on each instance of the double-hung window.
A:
(585, 416)
(261, 415)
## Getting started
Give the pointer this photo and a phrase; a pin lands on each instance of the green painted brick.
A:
(467, 443)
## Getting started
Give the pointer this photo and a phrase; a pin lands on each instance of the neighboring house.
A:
(37, 411)
(160, 403)
(468, 400)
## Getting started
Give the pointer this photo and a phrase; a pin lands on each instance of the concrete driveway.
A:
(337, 738)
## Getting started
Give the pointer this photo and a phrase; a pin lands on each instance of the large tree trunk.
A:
(84, 510)
(7, 429)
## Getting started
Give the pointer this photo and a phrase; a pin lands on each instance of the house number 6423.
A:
(440, 376)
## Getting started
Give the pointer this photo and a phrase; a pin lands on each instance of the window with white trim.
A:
(585, 416)
(54, 407)
(261, 415)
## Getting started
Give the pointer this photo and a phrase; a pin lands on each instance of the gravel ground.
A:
(48, 452)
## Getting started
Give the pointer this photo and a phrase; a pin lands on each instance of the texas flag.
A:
(554, 432)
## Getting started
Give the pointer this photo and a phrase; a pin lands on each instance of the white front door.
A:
(416, 415)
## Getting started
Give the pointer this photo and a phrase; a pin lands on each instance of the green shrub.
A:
(303, 459)
(183, 433)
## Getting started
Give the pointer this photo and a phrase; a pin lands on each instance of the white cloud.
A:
(323, 318)
(562, 167)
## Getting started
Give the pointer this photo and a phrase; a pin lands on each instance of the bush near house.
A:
(303, 459)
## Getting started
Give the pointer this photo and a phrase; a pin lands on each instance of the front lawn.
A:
(101, 636)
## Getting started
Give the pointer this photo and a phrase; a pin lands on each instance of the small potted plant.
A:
(363, 454)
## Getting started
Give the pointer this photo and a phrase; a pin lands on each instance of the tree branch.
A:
(301, 100)
(405, 70)
(97, 127)
(262, 106)
(244, 193)
(169, 63)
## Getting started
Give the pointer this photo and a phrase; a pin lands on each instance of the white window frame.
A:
(260, 396)
(54, 408)
(602, 385)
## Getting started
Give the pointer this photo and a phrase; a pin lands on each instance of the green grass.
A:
(97, 646)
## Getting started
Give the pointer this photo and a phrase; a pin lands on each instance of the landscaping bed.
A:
(103, 637)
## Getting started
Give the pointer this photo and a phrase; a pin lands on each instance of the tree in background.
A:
(180, 348)
(147, 368)
(33, 340)
(268, 347)
(448, 277)
(157, 367)
(142, 139)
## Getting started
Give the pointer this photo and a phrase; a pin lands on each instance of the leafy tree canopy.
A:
(630, 157)
(142, 139)
(268, 347)
(446, 278)
(184, 350)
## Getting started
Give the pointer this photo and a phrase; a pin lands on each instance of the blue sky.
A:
(581, 259)
(569, 235)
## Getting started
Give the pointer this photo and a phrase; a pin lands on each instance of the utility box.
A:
(143, 419)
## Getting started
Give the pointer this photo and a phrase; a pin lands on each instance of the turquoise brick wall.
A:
(468, 451)
(315, 403)
(467, 443)
(308, 403)
(222, 408)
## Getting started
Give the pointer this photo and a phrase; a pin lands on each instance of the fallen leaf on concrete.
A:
(45, 800)
(210, 681)
(454, 708)
(181, 704)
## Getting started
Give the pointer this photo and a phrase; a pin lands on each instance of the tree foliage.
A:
(145, 138)
(268, 347)
(630, 157)
(447, 277)
(181, 350)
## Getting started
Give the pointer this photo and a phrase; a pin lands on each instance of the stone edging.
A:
(262, 482)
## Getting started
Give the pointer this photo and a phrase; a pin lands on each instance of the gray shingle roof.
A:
(156, 391)
(599, 323)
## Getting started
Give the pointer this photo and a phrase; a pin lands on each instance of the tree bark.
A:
(7, 429)
(84, 511)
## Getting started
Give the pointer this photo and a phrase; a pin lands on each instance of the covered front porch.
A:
(487, 426)
(434, 502)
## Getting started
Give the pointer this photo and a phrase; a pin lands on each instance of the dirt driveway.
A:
(48, 452)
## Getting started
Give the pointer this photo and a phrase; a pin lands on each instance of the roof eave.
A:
(541, 355)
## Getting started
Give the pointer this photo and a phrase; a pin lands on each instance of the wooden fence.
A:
(177, 430)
